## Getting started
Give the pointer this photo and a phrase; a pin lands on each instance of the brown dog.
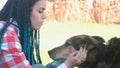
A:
(74, 43)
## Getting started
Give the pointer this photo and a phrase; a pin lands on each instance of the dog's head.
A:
(72, 44)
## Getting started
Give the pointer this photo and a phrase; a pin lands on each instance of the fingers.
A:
(80, 52)
(81, 56)
(84, 53)
(76, 58)
(74, 53)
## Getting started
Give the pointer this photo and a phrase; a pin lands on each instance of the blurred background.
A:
(87, 11)
(67, 18)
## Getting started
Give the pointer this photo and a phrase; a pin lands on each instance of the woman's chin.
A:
(35, 28)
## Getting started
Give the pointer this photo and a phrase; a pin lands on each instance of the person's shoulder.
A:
(2, 23)
(10, 28)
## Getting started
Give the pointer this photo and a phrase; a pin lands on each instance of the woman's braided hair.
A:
(19, 11)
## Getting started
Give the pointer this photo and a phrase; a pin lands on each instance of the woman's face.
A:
(37, 15)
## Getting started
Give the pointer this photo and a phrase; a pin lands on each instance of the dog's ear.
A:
(90, 40)
(89, 43)
(75, 42)
(99, 38)
(87, 40)
(114, 41)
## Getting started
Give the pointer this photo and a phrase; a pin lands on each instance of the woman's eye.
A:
(41, 10)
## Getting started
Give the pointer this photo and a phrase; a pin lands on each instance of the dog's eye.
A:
(67, 44)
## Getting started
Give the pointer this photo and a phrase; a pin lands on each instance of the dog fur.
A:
(74, 43)
(112, 57)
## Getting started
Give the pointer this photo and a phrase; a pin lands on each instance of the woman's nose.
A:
(44, 16)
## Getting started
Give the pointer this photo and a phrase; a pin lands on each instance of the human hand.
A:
(76, 58)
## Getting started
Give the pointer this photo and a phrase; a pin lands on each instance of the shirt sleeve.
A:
(12, 55)
(63, 65)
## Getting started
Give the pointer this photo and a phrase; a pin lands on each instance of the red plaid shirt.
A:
(12, 55)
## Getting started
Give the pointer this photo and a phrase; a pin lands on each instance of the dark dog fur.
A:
(112, 57)
(99, 39)
(95, 50)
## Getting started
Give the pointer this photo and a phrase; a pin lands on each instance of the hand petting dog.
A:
(76, 58)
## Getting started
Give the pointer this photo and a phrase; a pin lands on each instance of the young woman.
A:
(20, 21)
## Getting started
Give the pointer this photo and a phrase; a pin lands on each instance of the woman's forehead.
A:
(40, 4)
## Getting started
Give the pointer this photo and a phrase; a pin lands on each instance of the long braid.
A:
(25, 35)
(36, 46)
(26, 47)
